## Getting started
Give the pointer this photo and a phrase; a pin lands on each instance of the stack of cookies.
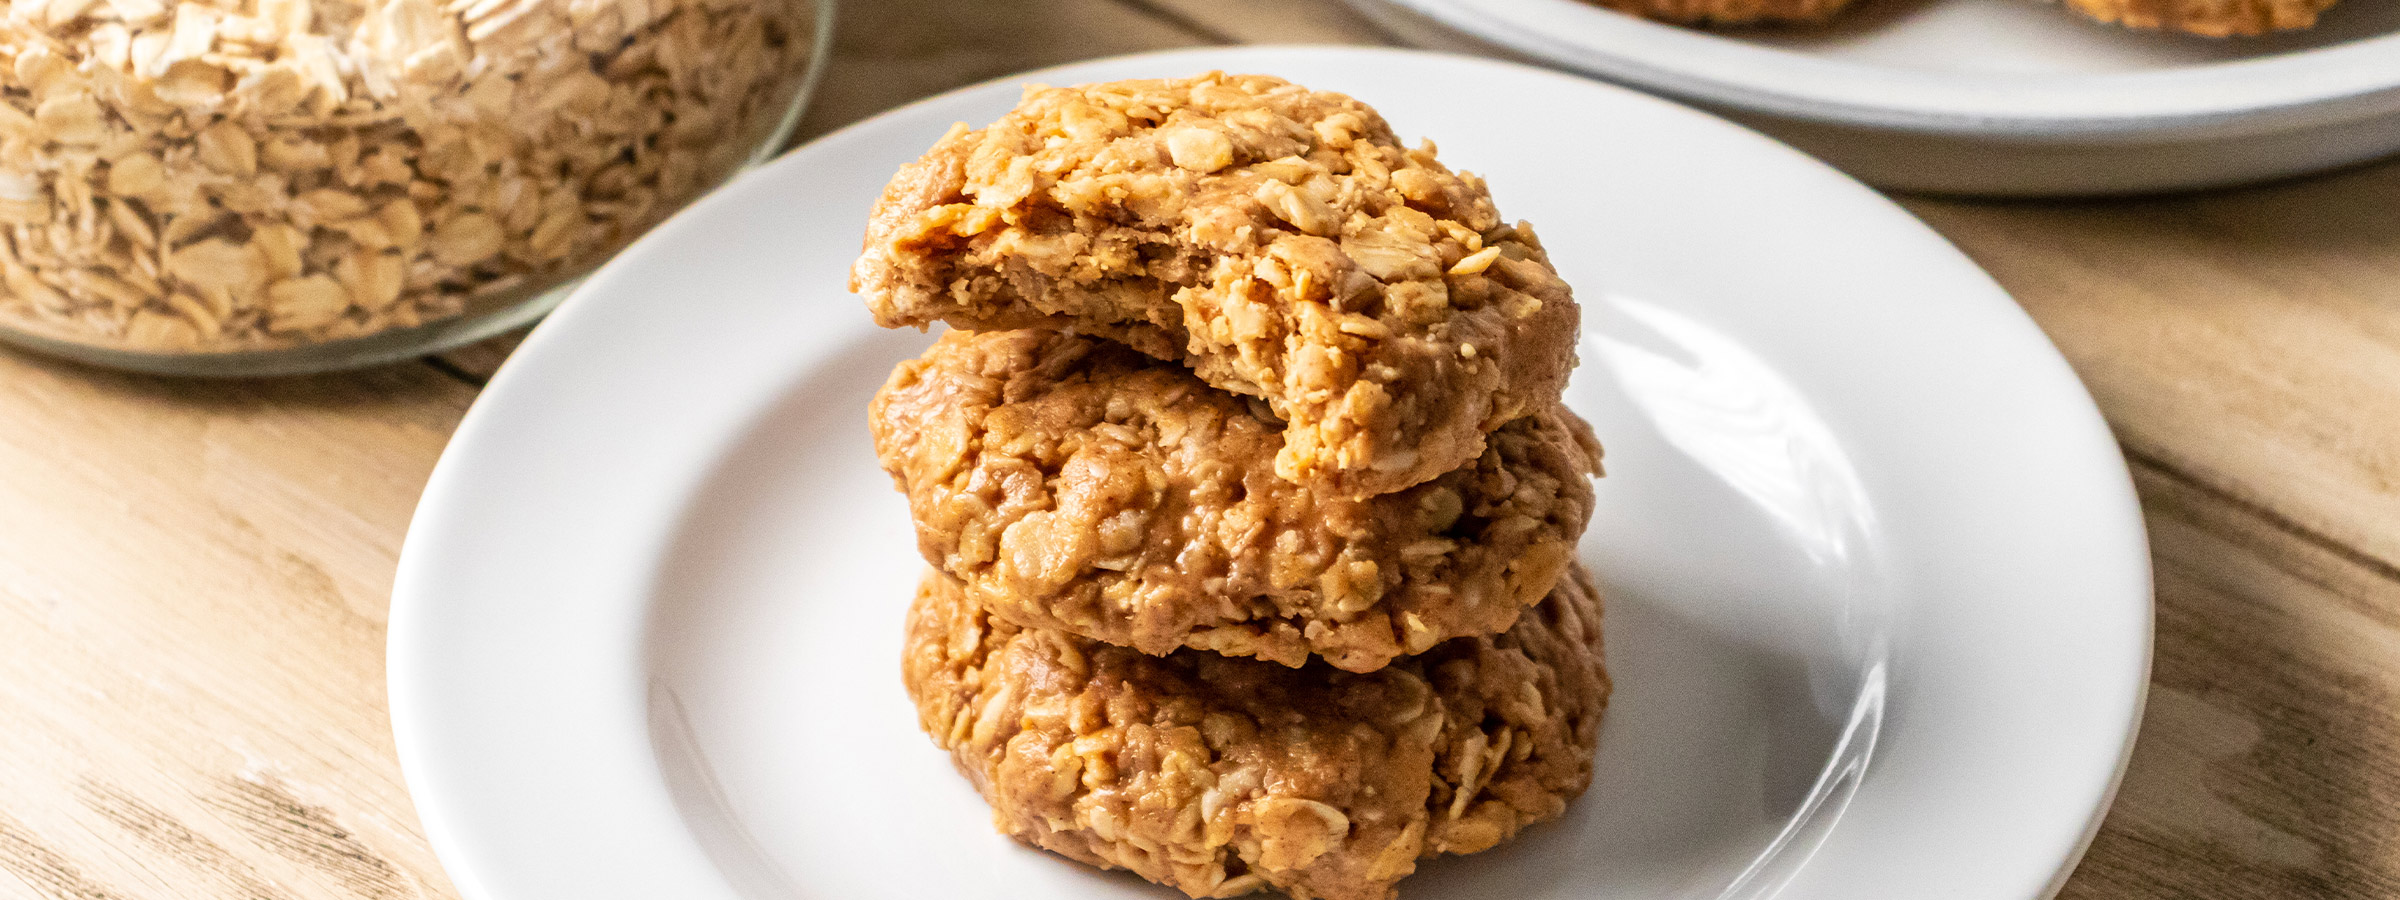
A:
(1250, 503)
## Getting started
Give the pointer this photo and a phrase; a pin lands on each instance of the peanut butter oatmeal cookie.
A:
(1075, 484)
(2212, 18)
(1222, 776)
(1278, 240)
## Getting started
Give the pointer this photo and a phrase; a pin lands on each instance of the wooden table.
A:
(193, 575)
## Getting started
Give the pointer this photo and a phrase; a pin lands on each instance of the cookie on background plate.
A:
(2211, 18)
(1729, 12)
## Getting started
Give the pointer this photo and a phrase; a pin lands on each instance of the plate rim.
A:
(2281, 92)
(408, 663)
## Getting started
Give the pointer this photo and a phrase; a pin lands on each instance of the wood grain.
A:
(193, 579)
(193, 576)
(2269, 761)
(1257, 22)
(2248, 338)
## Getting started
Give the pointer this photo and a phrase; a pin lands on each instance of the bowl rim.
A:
(2283, 91)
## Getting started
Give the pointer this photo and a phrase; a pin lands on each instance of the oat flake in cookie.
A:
(1222, 776)
(1278, 240)
(1075, 484)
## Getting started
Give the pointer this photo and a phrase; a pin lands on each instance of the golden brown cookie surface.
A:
(1220, 776)
(2212, 18)
(1077, 485)
(1279, 241)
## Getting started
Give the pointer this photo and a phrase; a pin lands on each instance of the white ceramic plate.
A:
(1879, 597)
(1987, 96)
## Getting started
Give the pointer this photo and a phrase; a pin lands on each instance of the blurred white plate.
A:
(1986, 96)
(1879, 609)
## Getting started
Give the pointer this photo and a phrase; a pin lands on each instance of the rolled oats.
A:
(222, 175)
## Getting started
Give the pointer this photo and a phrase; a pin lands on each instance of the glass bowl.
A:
(452, 298)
